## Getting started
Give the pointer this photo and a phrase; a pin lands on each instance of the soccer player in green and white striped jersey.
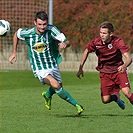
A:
(43, 41)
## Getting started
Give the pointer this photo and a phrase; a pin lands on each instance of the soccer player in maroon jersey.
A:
(112, 69)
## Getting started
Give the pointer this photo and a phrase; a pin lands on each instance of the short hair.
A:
(107, 25)
(41, 15)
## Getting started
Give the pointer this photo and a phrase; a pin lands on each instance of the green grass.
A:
(22, 108)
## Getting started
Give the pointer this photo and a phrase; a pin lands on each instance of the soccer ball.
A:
(5, 27)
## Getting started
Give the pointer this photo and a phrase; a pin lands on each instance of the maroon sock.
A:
(131, 99)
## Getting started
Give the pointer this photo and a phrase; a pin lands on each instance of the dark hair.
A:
(41, 15)
(107, 25)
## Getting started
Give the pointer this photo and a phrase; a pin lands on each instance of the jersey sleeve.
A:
(19, 34)
(58, 35)
(24, 33)
(91, 46)
(122, 47)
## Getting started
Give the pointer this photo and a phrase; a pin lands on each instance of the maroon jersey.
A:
(109, 55)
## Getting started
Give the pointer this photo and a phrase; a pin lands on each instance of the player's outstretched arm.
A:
(83, 60)
(13, 56)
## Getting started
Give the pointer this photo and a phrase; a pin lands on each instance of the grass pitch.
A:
(22, 107)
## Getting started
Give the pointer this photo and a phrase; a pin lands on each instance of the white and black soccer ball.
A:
(5, 27)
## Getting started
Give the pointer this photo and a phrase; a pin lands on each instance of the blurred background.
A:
(78, 20)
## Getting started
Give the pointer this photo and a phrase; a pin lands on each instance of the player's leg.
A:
(109, 90)
(114, 97)
(57, 76)
(48, 97)
(106, 99)
(125, 86)
(46, 94)
(50, 92)
(127, 92)
(62, 93)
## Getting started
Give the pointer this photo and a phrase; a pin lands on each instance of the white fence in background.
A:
(70, 61)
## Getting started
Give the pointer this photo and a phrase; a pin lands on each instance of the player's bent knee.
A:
(105, 100)
(55, 85)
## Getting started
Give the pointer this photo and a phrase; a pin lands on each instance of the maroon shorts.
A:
(111, 83)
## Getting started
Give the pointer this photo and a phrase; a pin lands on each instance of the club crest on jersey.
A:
(110, 46)
(39, 47)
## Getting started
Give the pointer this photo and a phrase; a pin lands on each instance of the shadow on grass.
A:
(94, 115)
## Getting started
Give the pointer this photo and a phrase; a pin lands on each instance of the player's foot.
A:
(47, 101)
(80, 109)
(120, 103)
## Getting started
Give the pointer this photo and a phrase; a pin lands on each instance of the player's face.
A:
(105, 35)
(40, 25)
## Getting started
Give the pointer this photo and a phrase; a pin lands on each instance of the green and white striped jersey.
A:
(42, 48)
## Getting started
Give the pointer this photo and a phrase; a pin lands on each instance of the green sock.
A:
(50, 92)
(66, 96)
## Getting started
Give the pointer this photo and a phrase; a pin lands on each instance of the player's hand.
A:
(121, 69)
(62, 45)
(80, 73)
(12, 58)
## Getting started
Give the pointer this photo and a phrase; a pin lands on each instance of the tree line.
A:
(80, 20)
